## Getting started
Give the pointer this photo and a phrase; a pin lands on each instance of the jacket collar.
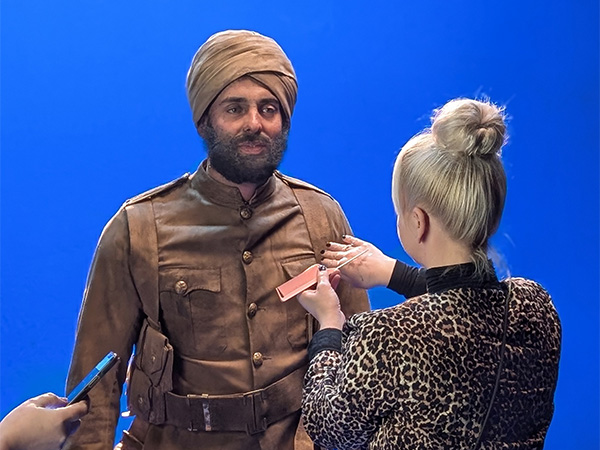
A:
(225, 195)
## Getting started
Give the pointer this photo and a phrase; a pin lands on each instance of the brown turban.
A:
(231, 54)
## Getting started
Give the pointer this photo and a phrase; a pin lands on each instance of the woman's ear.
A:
(420, 222)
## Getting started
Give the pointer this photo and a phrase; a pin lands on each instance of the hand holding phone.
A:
(92, 378)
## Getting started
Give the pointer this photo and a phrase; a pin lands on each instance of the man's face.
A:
(244, 132)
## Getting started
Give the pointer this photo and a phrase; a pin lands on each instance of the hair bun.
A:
(471, 127)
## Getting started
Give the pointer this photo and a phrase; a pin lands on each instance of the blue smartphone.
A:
(92, 378)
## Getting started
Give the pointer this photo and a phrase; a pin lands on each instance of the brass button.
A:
(140, 400)
(252, 308)
(247, 256)
(181, 287)
(245, 212)
(257, 359)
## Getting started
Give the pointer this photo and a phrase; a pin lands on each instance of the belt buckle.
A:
(205, 413)
(258, 422)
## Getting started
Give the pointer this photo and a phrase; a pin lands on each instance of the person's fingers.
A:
(322, 283)
(48, 399)
(334, 279)
(346, 251)
(336, 259)
(323, 278)
(336, 246)
(332, 272)
(354, 241)
(306, 296)
(332, 257)
(329, 262)
(75, 411)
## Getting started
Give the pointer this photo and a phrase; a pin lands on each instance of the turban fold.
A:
(231, 54)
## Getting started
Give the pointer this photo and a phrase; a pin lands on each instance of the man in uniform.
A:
(187, 272)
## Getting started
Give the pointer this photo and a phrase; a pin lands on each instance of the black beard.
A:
(238, 168)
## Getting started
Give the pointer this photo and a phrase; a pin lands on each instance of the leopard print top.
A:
(420, 375)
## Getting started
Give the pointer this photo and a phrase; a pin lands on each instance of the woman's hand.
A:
(40, 423)
(367, 271)
(323, 303)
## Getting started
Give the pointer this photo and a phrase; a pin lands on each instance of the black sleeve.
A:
(325, 339)
(407, 280)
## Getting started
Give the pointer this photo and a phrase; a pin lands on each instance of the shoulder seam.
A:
(297, 183)
(157, 190)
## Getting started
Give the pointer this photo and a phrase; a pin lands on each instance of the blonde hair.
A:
(453, 171)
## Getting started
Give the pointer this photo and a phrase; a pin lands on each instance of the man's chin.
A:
(255, 174)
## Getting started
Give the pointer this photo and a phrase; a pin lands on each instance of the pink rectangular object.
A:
(308, 279)
(299, 283)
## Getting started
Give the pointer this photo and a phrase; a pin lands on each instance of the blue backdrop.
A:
(94, 111)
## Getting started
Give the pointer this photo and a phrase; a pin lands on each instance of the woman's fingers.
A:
(354, 241)
(337, 246)
(322, 302)
(335, 258)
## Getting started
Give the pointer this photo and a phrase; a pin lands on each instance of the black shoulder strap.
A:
(144, 257)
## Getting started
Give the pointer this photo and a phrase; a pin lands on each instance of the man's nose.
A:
(253, 121)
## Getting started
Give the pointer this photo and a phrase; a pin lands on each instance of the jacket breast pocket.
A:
(297, 317)
(192, 314)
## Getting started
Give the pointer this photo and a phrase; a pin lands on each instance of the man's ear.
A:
(201, 129)
(202, 125)
(420, 221)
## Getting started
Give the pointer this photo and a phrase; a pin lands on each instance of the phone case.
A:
(92, 378)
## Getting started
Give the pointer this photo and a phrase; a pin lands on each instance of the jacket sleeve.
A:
(346, 391)
(109, 320)
(407, 280)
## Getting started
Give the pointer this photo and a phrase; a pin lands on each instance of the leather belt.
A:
(250, 411)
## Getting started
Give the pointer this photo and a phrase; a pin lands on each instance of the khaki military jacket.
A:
(220, 259)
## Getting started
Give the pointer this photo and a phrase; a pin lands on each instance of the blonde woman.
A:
(469, 363)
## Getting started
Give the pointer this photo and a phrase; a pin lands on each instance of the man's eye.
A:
(233, 110)
(269, 109)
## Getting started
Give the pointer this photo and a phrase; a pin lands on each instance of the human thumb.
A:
(75, 411)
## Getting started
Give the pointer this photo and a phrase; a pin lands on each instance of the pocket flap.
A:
(184, 279)
(154, 352)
